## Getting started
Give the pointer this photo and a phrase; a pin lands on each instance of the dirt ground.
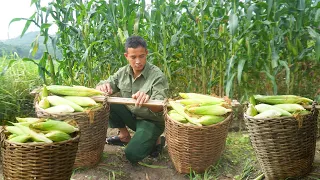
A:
(115, 166)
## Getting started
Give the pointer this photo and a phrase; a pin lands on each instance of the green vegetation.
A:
(226, 47)
(16, 84)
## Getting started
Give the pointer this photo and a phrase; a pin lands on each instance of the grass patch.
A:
(238, 161)
(16, 84)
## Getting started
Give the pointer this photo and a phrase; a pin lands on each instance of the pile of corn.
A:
(56, 99)
(261, 106)
(28, 130)
(199, 109)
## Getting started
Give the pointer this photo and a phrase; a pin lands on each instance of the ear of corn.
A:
(14, 130)
(198, 102)
(264, 107)
(28, 119)
(271, 113)
(210, 119)
(176, 116)
(180, 109)
(251, 111)
(172, 111)
(59, 109)
(12, 136)
(300, 113)
(51, 125)
(290, 107)
(209, 110)
(81, 101)
(44, 103)
(73, 90)
(44, 92)
(38, 137)
(20, 138)
(57, 136)
(252, 100)
(201, 97)
(282, 99)
(57, 100)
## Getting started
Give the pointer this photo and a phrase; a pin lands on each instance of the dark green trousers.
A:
(145, 136)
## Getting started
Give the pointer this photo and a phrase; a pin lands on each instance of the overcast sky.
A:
(10, 9)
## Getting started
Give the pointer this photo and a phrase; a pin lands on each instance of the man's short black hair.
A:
(134, 42)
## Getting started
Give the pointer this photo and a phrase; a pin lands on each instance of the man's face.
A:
(137, 58)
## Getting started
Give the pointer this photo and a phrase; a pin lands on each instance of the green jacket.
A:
(152, 81)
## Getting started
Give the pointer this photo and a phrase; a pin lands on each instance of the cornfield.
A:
(226, 47)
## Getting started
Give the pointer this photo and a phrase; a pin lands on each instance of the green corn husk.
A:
(209, 110)
(264, 107)
(44, 103)
(290, 107)
(301, 113)
(176, 116)
(180, 109)
(58, 109)
(38, 137)
(172, 111)
(73, 90)
(57, 100)
(44, 92)
(14, 130)
(251, 111)
(198, 102)
(283, 99)
(201, 96)
(51, 125)
(57, 136)
(13, 135)
(210, 119)
(20, 138)
(28, 119)
(271, 113)
(81, 101)
(252, 100)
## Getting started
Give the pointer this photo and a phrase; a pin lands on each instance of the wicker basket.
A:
(195, 148)
(93, 128)
(284, 146)
(38, 160)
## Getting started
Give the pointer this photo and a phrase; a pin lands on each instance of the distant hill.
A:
(22, 46)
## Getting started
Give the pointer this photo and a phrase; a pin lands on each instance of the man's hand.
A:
(105, 88)
(140, 98)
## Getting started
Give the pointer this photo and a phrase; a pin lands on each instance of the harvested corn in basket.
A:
(196, 131)
(29, 154)
(74, 102)
(283, 134)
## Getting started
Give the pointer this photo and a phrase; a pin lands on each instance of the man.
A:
(142, 81)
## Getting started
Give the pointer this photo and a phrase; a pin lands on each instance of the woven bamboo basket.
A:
(194, 148)
(284, 146)
(93, 128)
(38, 160)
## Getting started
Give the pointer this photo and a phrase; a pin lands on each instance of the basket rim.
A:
(228, 117)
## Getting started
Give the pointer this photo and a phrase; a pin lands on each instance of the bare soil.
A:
(114, 165)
